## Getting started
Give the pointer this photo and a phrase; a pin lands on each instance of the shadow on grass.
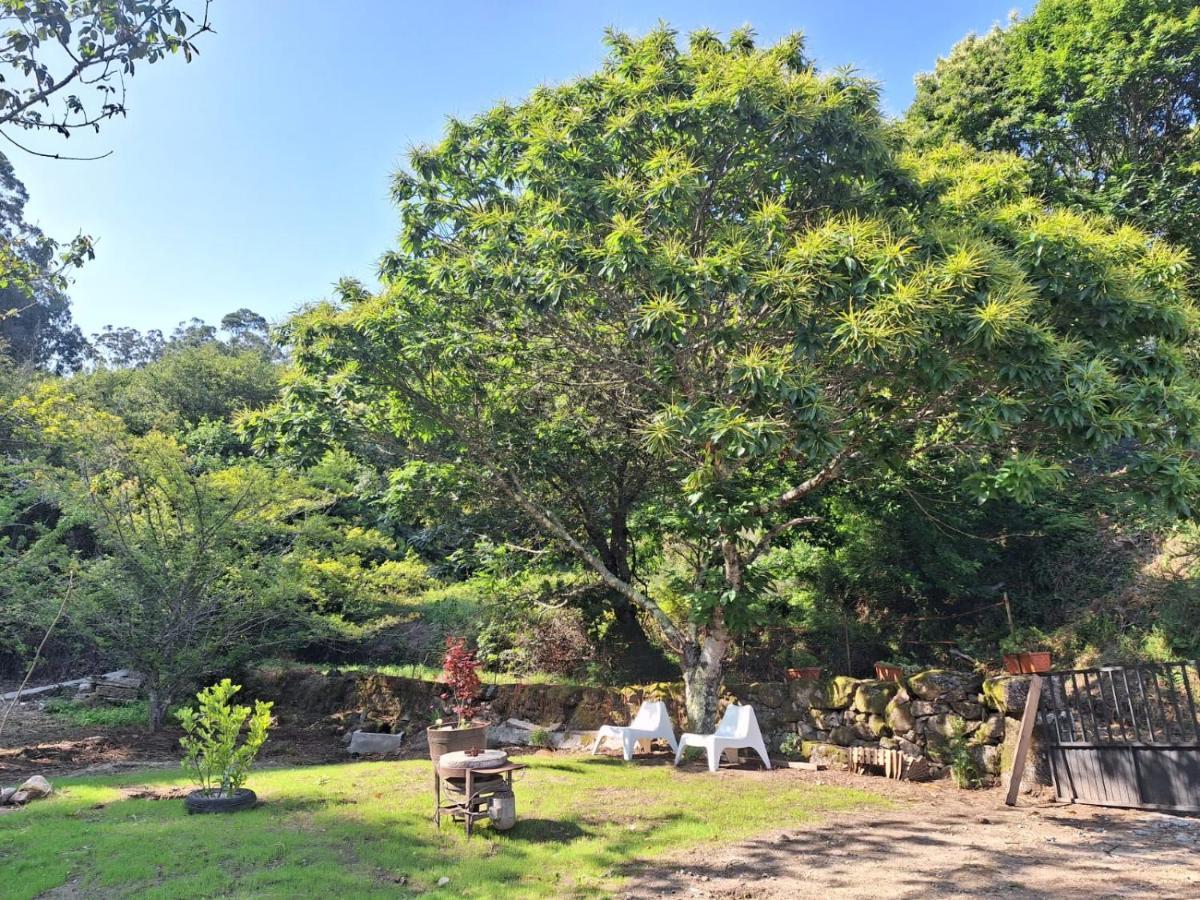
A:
(541, 831)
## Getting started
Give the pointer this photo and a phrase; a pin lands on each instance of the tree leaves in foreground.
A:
(66, 61)
(712, 261)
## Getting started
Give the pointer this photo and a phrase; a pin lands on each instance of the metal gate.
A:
(1125, 735)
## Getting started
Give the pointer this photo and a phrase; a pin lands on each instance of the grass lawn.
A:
(364, 830)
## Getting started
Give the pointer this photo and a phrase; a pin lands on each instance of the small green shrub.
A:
(792, 747)
(539, 737)
(107, 716)
(956, 753)
(210, 744)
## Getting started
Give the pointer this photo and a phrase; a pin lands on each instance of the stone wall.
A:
(917, 716)
(830, 715)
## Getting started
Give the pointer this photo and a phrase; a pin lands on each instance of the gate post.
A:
(1028, 719)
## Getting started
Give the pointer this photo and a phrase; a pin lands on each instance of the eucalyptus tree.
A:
(710, 264)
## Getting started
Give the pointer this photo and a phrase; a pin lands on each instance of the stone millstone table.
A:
(477, 787)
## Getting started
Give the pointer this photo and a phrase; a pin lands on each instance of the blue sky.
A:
(257, 175)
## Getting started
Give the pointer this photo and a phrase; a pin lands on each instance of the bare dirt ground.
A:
(938, 841)
(35, 743)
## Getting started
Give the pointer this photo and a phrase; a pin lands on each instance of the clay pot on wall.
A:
(804, 672)
(1027, 663)
(888, 672)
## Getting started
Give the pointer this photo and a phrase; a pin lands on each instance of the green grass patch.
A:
(109, 716)
(365, 830)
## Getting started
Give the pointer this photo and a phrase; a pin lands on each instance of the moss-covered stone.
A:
(939, 684)
(843, 735)
(878, 725)
(825, 753)
(873, 696)
(1006, 694)
(836, 693)
(803, 693)
(899, 715)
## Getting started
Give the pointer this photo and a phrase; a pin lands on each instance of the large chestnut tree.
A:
(711, 267)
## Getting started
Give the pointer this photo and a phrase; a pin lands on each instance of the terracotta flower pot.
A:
(1026, 663)
(803, 672)
(886, 672)
(448, 739)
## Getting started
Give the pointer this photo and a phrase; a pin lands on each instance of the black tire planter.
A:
(204, 802)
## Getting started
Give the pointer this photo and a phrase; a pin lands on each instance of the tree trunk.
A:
(156, 705)
(635, 657)
(702, 671)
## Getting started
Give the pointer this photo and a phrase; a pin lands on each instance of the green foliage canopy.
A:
(1101, 95)
(713, 260)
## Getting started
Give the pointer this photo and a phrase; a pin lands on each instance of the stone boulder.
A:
(992, 730)
(877, 726)
(828, 754)
(836, 693)
(764, 695)
(825, 719)
(908, 747)
(802, 694)
(926, 708)
(33, 788)
(968, 709)
(374, 744)
(572, 740)
(873, 696)
(900, 716)
(943, 725)
(1007, 694)
(843, 735)
(987, 759)
(943, 684)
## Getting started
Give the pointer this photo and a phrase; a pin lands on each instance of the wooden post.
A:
(1024, 738)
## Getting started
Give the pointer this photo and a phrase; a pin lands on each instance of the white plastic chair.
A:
(738, 728)
(652, 721)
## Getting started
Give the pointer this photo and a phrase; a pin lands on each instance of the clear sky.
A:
(258, 175)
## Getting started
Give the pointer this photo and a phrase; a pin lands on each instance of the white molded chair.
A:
(738, 728)
(652, 721)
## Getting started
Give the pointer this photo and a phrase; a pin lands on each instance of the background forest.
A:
(188, 503)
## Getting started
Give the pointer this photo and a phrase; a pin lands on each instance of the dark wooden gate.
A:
(1125, 736)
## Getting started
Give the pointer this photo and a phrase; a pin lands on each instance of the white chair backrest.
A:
(650, 715)
(733, 723)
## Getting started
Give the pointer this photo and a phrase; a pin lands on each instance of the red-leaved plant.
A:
(460, 672)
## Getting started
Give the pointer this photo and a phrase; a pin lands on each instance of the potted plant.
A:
(460, 673)
(803, 665)
(211, 752)
(888, 671)
(1025, 651)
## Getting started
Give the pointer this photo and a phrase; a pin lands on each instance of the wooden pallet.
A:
(895, 764)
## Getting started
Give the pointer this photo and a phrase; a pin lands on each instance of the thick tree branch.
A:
(765, 541)
(827, 474)
(551, 524)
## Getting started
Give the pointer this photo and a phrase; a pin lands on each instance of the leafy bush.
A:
(558, 645)
(956, 753)
(792, 747)
(539, 737)
(210, 744)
